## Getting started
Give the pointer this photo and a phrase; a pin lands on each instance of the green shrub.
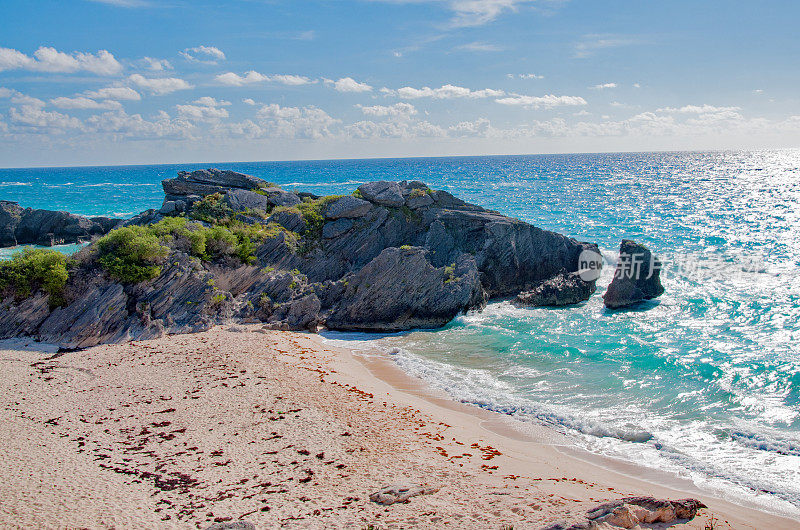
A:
(313, 211)
(211, 209)
(33, 269)
(358, 195)
(131, 254)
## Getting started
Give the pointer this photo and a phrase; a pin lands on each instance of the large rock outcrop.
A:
(30, 226)
(241, 191)
(636, 278)
(394, 256)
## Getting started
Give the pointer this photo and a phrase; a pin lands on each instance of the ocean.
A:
(703, 382)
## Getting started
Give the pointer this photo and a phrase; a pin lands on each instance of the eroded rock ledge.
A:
(391, 256)
(30, 226)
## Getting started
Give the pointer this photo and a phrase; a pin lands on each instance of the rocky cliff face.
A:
(29, 226)
(392, 256)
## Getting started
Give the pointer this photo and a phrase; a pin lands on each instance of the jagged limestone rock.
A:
(565, 288)
(636, 278)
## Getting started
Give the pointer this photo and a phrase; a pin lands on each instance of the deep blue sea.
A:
(704, 382)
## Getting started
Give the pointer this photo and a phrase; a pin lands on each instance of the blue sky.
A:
(149, 81)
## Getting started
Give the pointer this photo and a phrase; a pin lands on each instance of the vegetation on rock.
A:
(131, 254)
(33, 269)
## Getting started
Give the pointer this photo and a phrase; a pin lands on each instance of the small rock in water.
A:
(565, 288)
(637, 277)
(398, 493)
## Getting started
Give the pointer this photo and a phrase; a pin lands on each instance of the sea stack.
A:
(637, 277)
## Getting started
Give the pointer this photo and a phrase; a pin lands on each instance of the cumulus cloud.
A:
(84, 103)
(537, 102)
(201, 112)
(290, 80)
(249, 101)
(396, 110)
(33, 116)
(603, 86)
(697, 109)
(120, 123)
(203, 54)
(295, 122)
(156, 65)
(443, 92)
(348, 84)
(119, 93)
(526, 76)
(160, 85)
(47, 59)
(232, 79)
(208, 101)
(251, 77)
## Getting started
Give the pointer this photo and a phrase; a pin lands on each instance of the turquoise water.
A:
(704, 382)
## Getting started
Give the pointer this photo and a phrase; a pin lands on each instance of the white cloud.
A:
(160, 86)
(443, 92)
(203, 54)
(251, 77)
(697, 109)
(290, 80)
(84, 103)
(201, 112)
(468, 13)
(47, 59)
(18, 98)
(35, 116)
(603, 86)
(157, 65)
(249, 101)
(135, 126)
(23, 99)
(232, 79)
(396, 110)
(295, 122)
(394, 129)
(530, 76)
(637, 85)
(348, 84)
(119, 93)
(478, 12)
(537, 102)
(208, 101)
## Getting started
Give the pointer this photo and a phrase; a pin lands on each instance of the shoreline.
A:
(516, 431)
(148, 433)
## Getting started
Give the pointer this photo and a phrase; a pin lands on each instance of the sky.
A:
(102, 82)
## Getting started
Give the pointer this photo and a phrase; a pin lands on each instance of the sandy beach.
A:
(280, 429)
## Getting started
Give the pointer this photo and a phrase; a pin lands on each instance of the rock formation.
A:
(632, 512)
(392, 256)
(565, 288)
(29, 226)
(636, 278)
